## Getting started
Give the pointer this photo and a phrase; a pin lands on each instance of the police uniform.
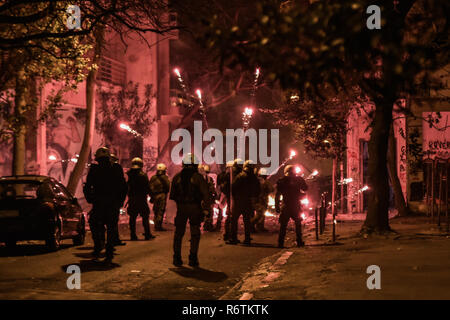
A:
(190, 192)
(262, 203)
(105, 188)
(159, 188)
(235, 169)
(209, 218)
(221, 181)
(138, 191)
(291, 187)
(245, 190)
(117, 241)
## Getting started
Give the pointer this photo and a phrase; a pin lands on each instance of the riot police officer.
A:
(291, 187)
(208, 224)
(117, 241)
(245, 190)
(262, 203)
(105, 188)
(230, 176)
(159, 188)
(223, 180)
(138, 190)
(190, 192)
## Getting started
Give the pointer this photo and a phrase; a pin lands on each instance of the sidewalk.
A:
(414, 264)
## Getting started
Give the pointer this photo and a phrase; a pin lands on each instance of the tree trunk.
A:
(400, 202)
(77, 172)
(19, 111)
(377, 219)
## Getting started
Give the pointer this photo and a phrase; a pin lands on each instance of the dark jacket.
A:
(292, 189)
(138, 185)
(246, 189)
(105, 182)
(223, 180)
(159, 183)
(189, 187)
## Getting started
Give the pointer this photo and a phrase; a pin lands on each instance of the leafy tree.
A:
(125, 105)
(326, 44)
(28, 68)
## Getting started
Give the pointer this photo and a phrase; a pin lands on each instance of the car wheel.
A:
(78, 240)
(54, 241)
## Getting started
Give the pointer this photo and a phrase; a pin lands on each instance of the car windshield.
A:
(19, 189)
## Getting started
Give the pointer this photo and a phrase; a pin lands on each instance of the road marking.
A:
(261, 276)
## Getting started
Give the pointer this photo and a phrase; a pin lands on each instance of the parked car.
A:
(34, 207)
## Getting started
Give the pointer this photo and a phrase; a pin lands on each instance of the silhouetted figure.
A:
(190, 192)
(159, 188)
(209, 218)
(292, 188)
(234, 168)
(245, 191)
(138, 191)
(117, 241)
(105, 188)
(261, 207)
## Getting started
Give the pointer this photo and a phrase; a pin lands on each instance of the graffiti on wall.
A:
(64, 138)
(436, 139)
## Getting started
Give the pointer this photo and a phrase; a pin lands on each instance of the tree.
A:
(327, 44)
(40, 62)
(123, 17)
(139, 16)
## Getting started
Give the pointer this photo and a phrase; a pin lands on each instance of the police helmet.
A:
(137, 163)
(262, 172)
(161, 167)
(230, 164)
(190, 160)
(289, 170)
(114, 158)
(249, 165)
(102, 152)
(238, 162)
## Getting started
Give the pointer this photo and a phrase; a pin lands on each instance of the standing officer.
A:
(159, 188)
(291, 187)
(223, 180)
(105, 188)
(208, 225)
(245, 191)
(138, 190)
(190, 192)
(234, 169)
(262, 203)
(117, 241)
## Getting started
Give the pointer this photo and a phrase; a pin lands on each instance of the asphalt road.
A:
(141, 270)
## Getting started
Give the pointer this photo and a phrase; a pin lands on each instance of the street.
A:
(142, 269)
(414, 264)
